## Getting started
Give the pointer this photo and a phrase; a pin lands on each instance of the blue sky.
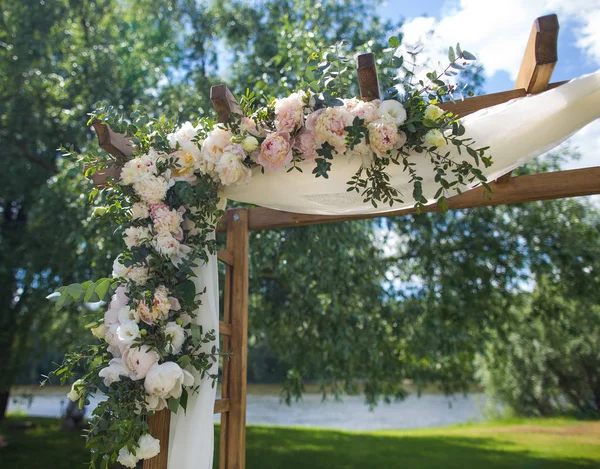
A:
(497, 32)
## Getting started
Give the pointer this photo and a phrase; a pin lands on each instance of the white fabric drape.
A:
(516, 132)
(191, 435)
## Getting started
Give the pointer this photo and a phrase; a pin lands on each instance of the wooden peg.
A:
(367, 77)
(224, 103)
(538, 62)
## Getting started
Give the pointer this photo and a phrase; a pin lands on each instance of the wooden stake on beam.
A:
(538, 62)
(367, 77)
(224, 103)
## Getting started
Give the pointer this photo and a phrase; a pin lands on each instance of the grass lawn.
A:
(522, 444)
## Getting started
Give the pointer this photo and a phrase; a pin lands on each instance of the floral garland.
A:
(152, 355)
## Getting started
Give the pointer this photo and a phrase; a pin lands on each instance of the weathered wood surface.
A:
(159, 428)
(224, 103)
(539, 60)
(528, 188)
(367, 77)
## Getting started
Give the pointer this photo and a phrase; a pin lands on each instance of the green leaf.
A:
(393, 42)
(451, 54)
(89, 293)
(102, 288)
(76, 291)
(187, 290)
(183, 400)
(468, 56)
(173, 404)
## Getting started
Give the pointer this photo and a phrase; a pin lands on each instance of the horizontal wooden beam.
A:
(528, 188)
(221, 406)
(225, 257)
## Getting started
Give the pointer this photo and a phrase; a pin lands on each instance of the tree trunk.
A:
(3, 403)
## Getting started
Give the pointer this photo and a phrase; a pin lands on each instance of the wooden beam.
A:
(224, 103)
(528, 188)
(159, 424)
(367, 77)
(539, 60)
(221, 406)
(225, 257)
(118, 145)
(224, 328)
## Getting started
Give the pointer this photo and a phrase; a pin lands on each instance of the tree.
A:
(56, 60)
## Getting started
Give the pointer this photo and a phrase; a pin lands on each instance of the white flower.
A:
(128, 332)
(139, 360)
(364, 151)
(166, 220)
(99, 331)
(393, 110)
(139, 211)
(167, 380)
(148, 447)
(119, 270)
(433, 112)
(136, 170)
(126, 458)
(113, 372)
(76, 391)
(165, 244)
(330, 126)
(136, 236)
(184, 136)
(231, 168)
(161, 304)
(155, 403)
(152, 189)
(249, 126)
(120, 298)
(138, 275)
(126, 314)
(435, 138)
(215, 144)
(250, 143)
(175, 335)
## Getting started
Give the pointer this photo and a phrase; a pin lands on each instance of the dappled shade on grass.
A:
(554, 444)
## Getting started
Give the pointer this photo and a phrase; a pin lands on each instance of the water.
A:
(430, 410)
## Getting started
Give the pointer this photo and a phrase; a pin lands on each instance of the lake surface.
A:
(430, 410)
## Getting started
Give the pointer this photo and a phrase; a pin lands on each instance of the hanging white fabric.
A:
(191, 434)
(516, 132)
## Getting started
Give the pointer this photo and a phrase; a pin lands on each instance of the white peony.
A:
(120, 298)
(126, 458)
(155, 403)
(76, 391)
(435, 138)
(139, 360)
(166, 220)
(137, 169)
(136, 236)
(161, 304)
(148, 447)
(165, 244)
(393, 110)
(167, 380)
(99, 331)
(128, 332)
(139, 211)
(215, 143)
(433, 112)
(138, 275)
(184, 137)
(231, 168)
(152, 189)
(175, 335)
(126, 314)
(119, 270)
(113, 372)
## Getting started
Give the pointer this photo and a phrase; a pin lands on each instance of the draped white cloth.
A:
(515, 131)
(191, 435)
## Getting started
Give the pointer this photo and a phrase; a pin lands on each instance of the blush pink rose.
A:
(384, 136)
(139, 360)
(330, 127)
(366, 110)
(144, 313)
(275, 151)
(249, 126)
(289, 115)
(306, 144)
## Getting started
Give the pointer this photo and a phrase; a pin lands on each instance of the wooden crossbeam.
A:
(528, 188)
(539, 60)
(367, 77)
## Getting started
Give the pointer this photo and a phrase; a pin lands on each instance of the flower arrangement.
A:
(166, 204)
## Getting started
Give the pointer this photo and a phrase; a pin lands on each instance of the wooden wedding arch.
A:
(534, 77)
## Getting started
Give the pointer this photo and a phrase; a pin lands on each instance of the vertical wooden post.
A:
(159, 425)
(367, 77)
(233, 447)
(538, 62)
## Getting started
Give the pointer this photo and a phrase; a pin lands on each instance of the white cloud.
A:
(497, 31)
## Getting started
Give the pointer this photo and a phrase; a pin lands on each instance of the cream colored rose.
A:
(139, 211)
(148, 447)
(231, 168)
(185, 164)
(113, 372)
(167, 380)
(250, 143)
(128, 332)
(435, 138)
(215, 143)
(76, 391)
(433, 112)
(126, 458)
(175, 335)
(393, 110)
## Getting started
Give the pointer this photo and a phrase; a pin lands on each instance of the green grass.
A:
(518, 444)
